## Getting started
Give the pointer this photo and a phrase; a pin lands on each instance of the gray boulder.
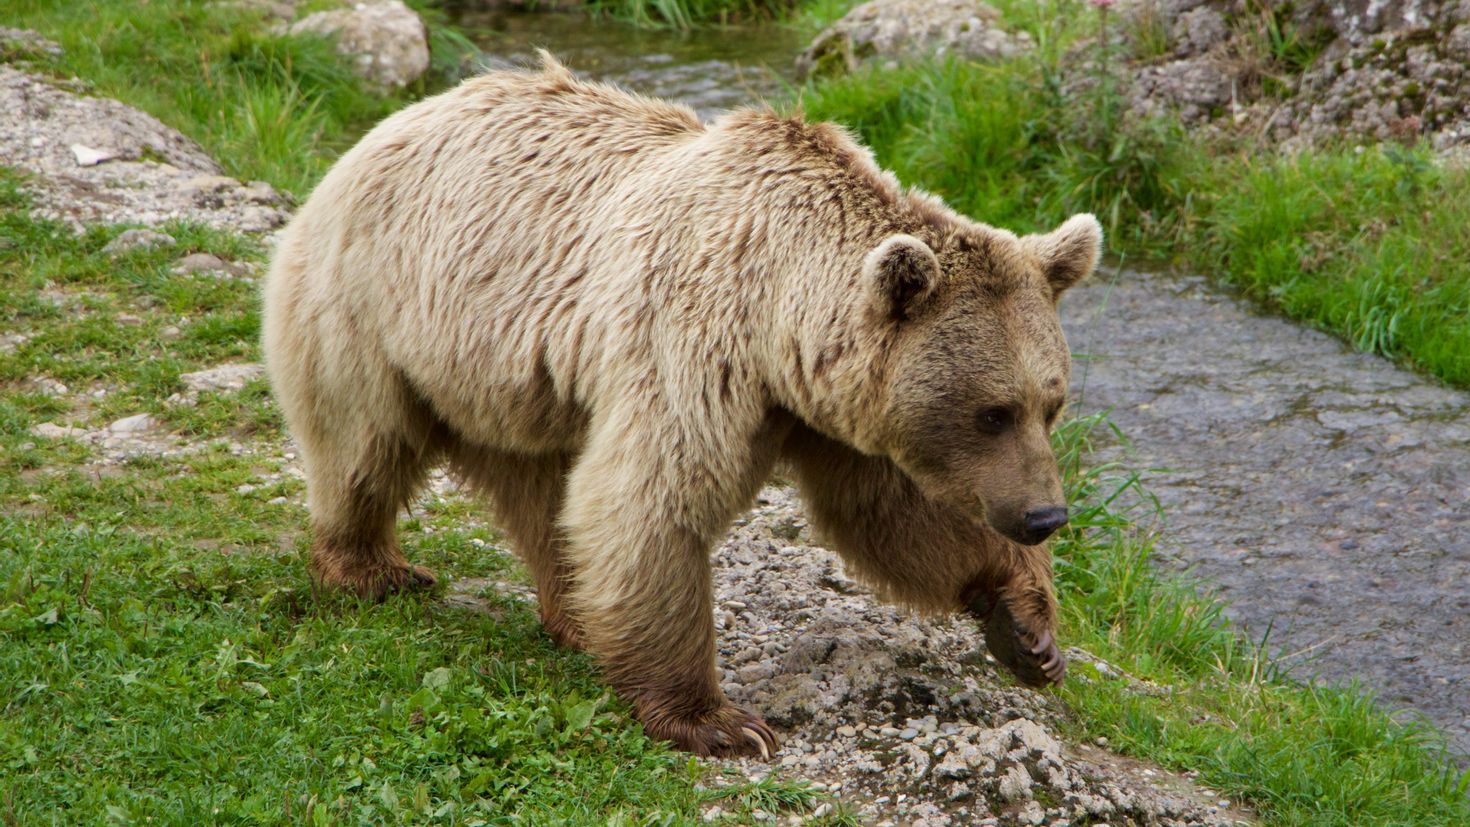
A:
(387, 40)
(94, 160)
(905, 29)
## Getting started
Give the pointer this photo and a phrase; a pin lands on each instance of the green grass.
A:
(269, 107)
(1369, 244)
(684, 14)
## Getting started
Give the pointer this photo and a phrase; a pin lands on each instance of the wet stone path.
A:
(1325, 492)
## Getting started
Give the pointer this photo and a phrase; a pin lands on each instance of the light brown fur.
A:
(616, 321)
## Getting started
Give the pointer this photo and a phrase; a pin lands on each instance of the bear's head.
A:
(978, 366)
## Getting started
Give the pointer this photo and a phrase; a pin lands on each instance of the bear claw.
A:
(726, 733)
(1034, 659)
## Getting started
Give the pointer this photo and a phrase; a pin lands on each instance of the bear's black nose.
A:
(1041, 522)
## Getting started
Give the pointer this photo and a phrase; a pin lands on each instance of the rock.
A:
(25, 43)
(223, 378)
(1197, 31)
(900, 29)
(133, 424)
(130, 240)
(1380, 70)
(1194, 89)
(147, 163)
(205, 263)
(50, 387)
(387, 40)
(50, 430)
(88, 157)
(1458, 43)
(863, 692)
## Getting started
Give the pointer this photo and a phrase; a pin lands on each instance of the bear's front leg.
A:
(922, 553)
(644, 506)
(1019, 610)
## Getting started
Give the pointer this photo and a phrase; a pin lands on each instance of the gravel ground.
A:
(1325, 492)
(907, 716)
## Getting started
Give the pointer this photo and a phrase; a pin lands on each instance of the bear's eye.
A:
(996, 420)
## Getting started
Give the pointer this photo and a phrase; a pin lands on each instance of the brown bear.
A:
(616, 320)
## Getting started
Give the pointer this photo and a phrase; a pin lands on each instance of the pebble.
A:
(133, 424)
(88, 157)
(137, 239)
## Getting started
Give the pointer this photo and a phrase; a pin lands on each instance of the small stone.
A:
(128, 320)
(129, 240)
(50, 430)
(277, 501)
(136, 423)
(203, 263)
(909, 734)
(229, 377)
(51, 387)
(88, 157)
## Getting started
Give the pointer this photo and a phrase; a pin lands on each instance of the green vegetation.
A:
(684, 14)
(1369, 244)
(268, 106)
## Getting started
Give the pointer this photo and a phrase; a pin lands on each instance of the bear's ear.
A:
(901, 273)
(1069, 253)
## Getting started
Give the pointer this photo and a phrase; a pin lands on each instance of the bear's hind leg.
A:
(527, 493)
(363, 465)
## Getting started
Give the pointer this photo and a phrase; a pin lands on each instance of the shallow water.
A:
(711, 69)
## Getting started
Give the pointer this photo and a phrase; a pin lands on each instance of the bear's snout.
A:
(1041, 523)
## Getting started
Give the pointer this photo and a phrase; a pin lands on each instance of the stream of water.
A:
(1325, 492)
(708, 69)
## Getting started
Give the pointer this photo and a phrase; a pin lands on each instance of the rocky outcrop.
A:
(94, 160)
(897, 29)
(1293, 71)
(386, 40)
(1305, 72)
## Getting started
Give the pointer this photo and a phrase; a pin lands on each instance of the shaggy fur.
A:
(616, 321)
